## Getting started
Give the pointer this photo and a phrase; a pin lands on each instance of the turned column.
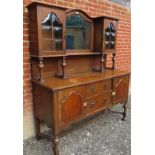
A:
(102, 62)
(113, 60)
(41, 66)
(63, 64)
(125, 110)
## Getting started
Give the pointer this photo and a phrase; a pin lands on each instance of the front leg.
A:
(56, 145)
(37, 126)
(125, 110)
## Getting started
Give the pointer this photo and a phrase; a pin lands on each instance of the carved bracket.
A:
(71, 93)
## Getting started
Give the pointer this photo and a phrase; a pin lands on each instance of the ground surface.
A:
(104, 134)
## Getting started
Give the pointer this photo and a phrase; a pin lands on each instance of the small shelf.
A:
(82, 53)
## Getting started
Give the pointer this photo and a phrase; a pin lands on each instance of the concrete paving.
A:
(104, 134)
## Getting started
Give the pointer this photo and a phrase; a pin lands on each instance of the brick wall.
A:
(93, 8)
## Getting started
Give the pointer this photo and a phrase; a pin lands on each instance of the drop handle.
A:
(105, 86)
(84, 104)
(93, 103)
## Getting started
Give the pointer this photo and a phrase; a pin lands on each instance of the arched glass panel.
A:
(110, 34)
(51, 33)
(78, 32)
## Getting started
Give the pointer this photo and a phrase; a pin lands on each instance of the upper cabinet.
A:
(105, 34)
(47, 29)
(58, 31)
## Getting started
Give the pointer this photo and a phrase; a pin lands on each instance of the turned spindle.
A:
(63, 64)
(41, 66)
(101, 63)
(113, 60)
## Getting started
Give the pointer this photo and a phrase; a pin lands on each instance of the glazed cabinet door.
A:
(72, 102)
(120, 86)
(110, 32)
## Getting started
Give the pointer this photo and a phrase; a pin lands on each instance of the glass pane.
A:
(112, 44)
(78, 33)
(51, 31)
(47, 44)
(58, 45)
(110, 33)
(57, 32)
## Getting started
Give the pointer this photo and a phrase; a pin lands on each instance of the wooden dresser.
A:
(71, 78)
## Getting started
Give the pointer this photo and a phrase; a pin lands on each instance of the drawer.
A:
(98, 88)
(99, 102)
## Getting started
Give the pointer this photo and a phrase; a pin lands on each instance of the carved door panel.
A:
(72, 102)
(121, 85)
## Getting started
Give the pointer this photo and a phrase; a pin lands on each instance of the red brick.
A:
(26, 49)
(25, 38)
(62, 3)
(25, 44)
(25, 26)
(79, 2)
(25, 32)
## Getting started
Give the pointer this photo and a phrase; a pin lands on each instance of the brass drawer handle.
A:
(113, 93)
(84, 104)
(93, 89)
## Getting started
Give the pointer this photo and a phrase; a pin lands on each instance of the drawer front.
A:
(97, 103)
(98, 88)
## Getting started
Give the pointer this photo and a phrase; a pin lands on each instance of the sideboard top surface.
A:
(55, 83)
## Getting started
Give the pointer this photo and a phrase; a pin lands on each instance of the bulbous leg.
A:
(56, 145)
(125, 110)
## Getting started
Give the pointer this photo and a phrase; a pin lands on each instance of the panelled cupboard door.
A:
(72, 103)
(121, 85)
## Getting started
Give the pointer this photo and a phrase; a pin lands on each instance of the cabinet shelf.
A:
(65, 54)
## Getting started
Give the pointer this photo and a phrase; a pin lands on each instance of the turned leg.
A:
(56, 145)
(125, 110)
(37, 126)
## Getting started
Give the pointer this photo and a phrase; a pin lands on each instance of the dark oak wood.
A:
(72, 85)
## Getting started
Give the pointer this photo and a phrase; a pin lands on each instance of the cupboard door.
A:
(121, 85)
(72, 102)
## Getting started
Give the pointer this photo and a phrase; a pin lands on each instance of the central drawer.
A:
(96, 103)
(98, 88)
